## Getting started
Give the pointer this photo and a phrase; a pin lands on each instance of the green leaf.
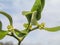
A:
(26, 12)
(42, 4)
(28, 15)
(24, 31)
(19, 33)
(53, 29)
(8, 16)
(33, 18)
(38, 6)
(0, 25)
(3, 34)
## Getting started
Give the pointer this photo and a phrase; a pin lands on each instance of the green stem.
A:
(28, 27)
(0, 25)
(35, 28)
(15, 37)
(12, 34)
(19, 42)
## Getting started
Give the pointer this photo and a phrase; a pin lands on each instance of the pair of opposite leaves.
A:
(35, 14)
(32, 16)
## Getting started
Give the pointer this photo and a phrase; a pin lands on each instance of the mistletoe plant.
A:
(33, 17)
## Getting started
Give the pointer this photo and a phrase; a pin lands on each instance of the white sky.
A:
(50, 15)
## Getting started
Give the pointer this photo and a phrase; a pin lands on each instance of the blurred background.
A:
(50, 15)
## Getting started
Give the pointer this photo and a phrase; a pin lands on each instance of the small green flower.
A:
(10, 28)
(26, 25)
(41, 26)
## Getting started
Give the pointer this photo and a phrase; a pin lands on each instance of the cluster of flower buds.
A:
(10, 28)
(41, 26)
